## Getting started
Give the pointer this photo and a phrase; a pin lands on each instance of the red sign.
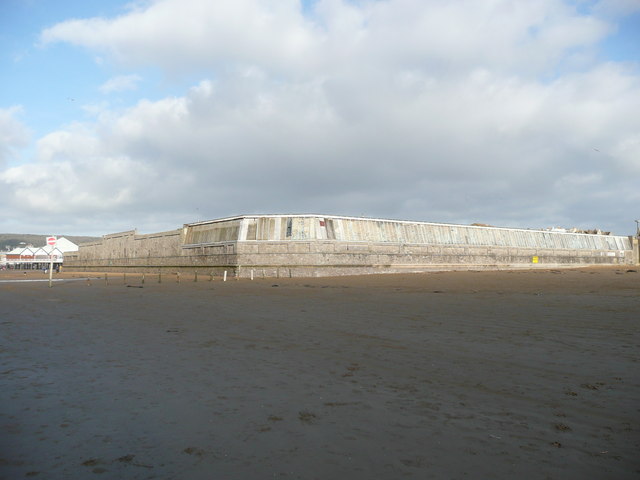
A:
(51, 241)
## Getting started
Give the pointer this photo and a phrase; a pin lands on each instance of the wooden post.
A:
(224, 278)
(159, 276)
(195, 276)
(177, 277)
(51, 271)
(143, 278)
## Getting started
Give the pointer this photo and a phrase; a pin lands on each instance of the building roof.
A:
(65, 245)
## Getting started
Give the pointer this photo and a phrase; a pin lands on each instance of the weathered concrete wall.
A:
(128, 250)
(343, 258)
(635, 248)
(275, 246)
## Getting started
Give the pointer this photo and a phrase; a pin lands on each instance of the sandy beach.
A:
(452, 375)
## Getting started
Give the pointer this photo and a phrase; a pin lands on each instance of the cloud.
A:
(120, 83)
(486, 146)
(180, 34)
(275, 35)
(617, 8)
(13, 133)
(458, 111)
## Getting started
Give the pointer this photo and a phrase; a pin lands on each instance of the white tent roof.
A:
(48, 250)
(65, 245)
(22, 251)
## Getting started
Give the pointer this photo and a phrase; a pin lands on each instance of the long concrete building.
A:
(327, 245)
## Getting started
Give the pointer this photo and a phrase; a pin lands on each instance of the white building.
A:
(29, 258)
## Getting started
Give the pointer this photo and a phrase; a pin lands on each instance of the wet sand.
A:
(528, 375)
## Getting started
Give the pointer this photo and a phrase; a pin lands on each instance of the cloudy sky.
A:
(117, 115)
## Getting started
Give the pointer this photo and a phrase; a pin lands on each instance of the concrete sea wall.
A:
(315, 245)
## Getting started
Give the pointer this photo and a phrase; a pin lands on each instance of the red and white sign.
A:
(52, 241)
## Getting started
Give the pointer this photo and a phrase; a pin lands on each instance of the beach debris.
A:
(354, 367)
(194, 451)
(562, 427)
(557, 444)
(589, 386)
(135, 286)
(305, 416)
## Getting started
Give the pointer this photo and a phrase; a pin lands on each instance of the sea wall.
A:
(343, 258)
(280, 245)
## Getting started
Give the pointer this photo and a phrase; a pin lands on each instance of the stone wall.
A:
(130, 251)
(327, 258)
(321, 258)
(177, 250)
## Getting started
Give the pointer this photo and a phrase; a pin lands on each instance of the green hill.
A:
(9, 241)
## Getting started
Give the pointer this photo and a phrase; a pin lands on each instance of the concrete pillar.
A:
(242, 231)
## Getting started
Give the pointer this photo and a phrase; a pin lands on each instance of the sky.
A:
(119, 115)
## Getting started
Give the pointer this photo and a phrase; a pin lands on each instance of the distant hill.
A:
(12, 240)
